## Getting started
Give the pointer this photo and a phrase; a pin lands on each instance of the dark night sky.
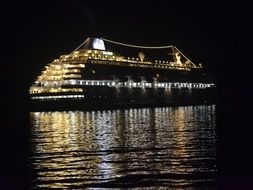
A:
(34, 33)
(212, 32)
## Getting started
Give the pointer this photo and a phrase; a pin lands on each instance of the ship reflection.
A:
(172, 147)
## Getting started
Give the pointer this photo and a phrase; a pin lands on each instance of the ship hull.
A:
(108, 98)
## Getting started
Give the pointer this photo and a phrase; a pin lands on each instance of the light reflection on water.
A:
(147, 147)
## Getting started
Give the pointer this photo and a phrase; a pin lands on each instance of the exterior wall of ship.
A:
(123, 73)
(99, 97)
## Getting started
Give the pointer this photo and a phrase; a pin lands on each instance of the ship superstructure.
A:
(94, 75)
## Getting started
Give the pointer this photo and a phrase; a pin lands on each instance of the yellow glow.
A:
(65, 68)
(74, 66)
(72, 76)
(38, 90)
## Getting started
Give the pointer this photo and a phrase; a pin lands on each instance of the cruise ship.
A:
(95, 77)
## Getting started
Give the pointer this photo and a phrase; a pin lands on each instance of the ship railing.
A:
(128, 84)
(141, 64)
(133, 84)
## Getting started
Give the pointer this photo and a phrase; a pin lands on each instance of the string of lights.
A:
(100, 44)
(137, 46)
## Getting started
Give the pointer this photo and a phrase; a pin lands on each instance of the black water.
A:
(149, 148)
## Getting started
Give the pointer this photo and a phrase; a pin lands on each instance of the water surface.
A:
(149, 148)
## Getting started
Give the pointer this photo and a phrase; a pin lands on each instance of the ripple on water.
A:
(140, 148)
